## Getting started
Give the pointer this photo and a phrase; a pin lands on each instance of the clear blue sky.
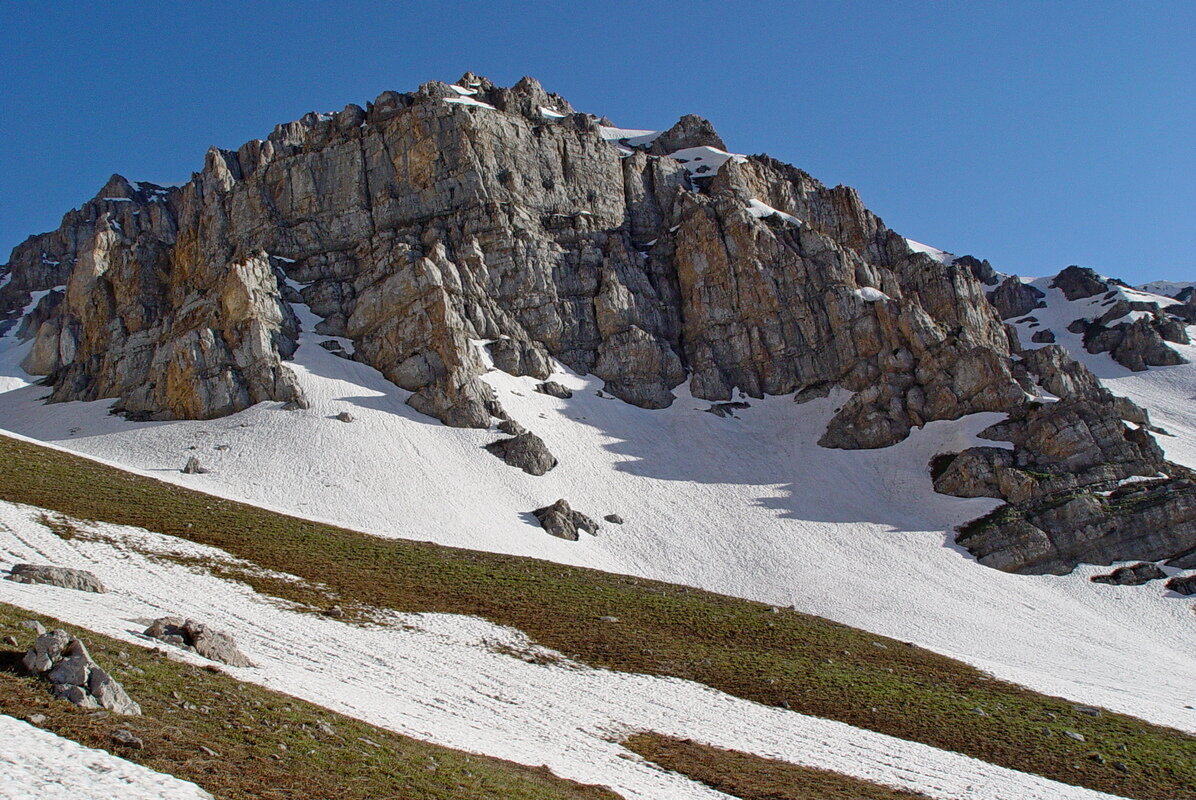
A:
(1035, 134)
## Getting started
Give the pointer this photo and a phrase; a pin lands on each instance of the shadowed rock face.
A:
(419, 224)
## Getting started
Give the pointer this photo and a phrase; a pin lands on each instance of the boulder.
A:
(526, 451)
(192, 467)
(198, 638)
(64, 661)
(79, 579)
(614, 519)
(563, 522)
(727, 409)
(1044, 336)
(1185, 585)
(554, 389)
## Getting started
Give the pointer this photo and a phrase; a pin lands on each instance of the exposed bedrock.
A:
(457, 227)
(418, 226)
(1083, 482)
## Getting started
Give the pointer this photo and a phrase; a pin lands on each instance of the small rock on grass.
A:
(127, 739)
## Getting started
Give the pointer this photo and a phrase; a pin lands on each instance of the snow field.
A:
(37, 763)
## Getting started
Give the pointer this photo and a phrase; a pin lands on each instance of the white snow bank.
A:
(442, 678)
(705, 161)
(941, 256)
(632, 136)
(759, 209)
(469, 101)
(856, 536)
(871, 294)
(38, 763)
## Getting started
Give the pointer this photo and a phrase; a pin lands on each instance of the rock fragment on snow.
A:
(563, 522)
(526, 451)
(192, 467)
(1185, 585)
(65, 577)
(554, 389)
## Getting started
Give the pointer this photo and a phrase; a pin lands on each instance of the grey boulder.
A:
(65, 663)
(198, 638)
(526, 451)
(563, 522)
(65, 577)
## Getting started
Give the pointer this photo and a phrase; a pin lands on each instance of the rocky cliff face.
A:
(433, 220)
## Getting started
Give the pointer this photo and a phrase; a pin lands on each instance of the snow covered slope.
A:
(1167, 288)
(450, 679)
(37, 763)
(747, 505)
(1166, 392)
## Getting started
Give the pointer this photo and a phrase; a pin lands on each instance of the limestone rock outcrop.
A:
(459, 228)
(431, 220)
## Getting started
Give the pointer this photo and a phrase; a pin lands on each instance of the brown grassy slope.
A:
(752, 777)
(806, 663)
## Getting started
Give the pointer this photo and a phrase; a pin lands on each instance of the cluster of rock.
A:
(1133, 575)
(64, 661)
(430, 220)
(198, 638)
(1081, 485)
(65, 577)
(1135, 341)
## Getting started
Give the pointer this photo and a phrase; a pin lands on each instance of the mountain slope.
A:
(761, 380)
(461, 677)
